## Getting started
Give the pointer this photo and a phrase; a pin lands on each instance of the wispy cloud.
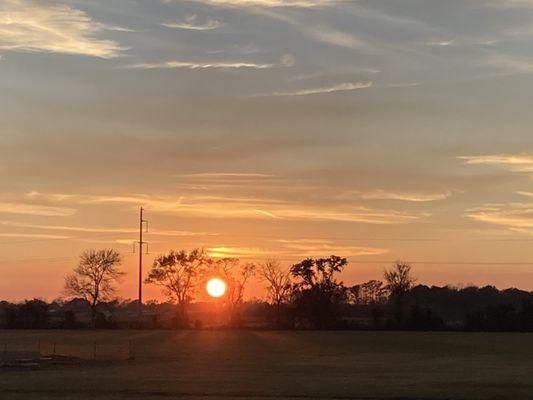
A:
(116, 28)
(523, 193)
(254, 208)
(267, 3)
(342, 87)
(191, 23)
(267, 214)
(512, 215)
(514, 163)
(508, 64)
(27, 25)
(441, 42)
(321, 33)
(326, 34)
(84, 229)
(401, 85)
(318, 247)
(236, 252)
(138, 199)
(170, 232)
(119, 230)
(404, 196)
(35, 209)
(33, 236)
(236, 175)
(286, 61)
(359, 215)
(296, 249)
(195, 65)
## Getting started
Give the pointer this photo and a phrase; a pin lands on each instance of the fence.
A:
(88, 350)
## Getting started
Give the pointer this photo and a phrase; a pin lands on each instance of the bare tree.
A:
(236, 276)
(177, 273)
(399, 279)
(278, 282)
(399, 283)
(95, 277)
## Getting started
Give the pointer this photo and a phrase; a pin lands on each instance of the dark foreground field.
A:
(264, 365)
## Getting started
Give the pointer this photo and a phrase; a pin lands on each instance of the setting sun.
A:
(216, 287)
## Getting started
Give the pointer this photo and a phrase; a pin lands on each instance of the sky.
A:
(376, 130)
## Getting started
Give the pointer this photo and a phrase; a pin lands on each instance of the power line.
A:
(447, 262)
(143, 224)
(352, 261)
(283, 237)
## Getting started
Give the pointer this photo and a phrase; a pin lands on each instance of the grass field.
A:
(263, 365)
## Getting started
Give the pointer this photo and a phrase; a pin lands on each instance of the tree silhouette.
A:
(95, 277)
(278, 283)
(371, 292)
(317, 294)
(399, 283)
(236, 276)
(32, 314)
(177, 273)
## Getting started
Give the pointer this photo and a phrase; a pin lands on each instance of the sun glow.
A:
(216, 287)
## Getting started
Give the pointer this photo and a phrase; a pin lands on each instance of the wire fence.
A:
(86, 351)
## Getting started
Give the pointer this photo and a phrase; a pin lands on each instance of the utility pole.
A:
(142, 224)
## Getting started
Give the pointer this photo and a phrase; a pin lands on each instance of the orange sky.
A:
(374, 130)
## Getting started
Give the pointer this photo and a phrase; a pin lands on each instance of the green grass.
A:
(262, 365)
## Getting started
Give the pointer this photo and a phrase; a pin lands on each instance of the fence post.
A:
(94, 351)
(54, 349)
(130, 349)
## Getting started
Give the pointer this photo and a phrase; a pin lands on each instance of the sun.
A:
(216, 287)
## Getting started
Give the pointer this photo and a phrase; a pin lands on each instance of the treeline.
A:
(426, 308)
(306, 295)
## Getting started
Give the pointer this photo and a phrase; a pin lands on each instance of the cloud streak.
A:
(296, 249)
(321, 33)
(236, 252)
(244, 208)
(326, 34)
(35, 209)
(119, 230)
(286, 61)
(191, 23)
(342, 87)
(514, 163)
(235, 175)
(32, 26)
(357, 215)
(269, 3)
(318, 247)
(33, 236)
(404, 196)
(513, 215)
(200, 65)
